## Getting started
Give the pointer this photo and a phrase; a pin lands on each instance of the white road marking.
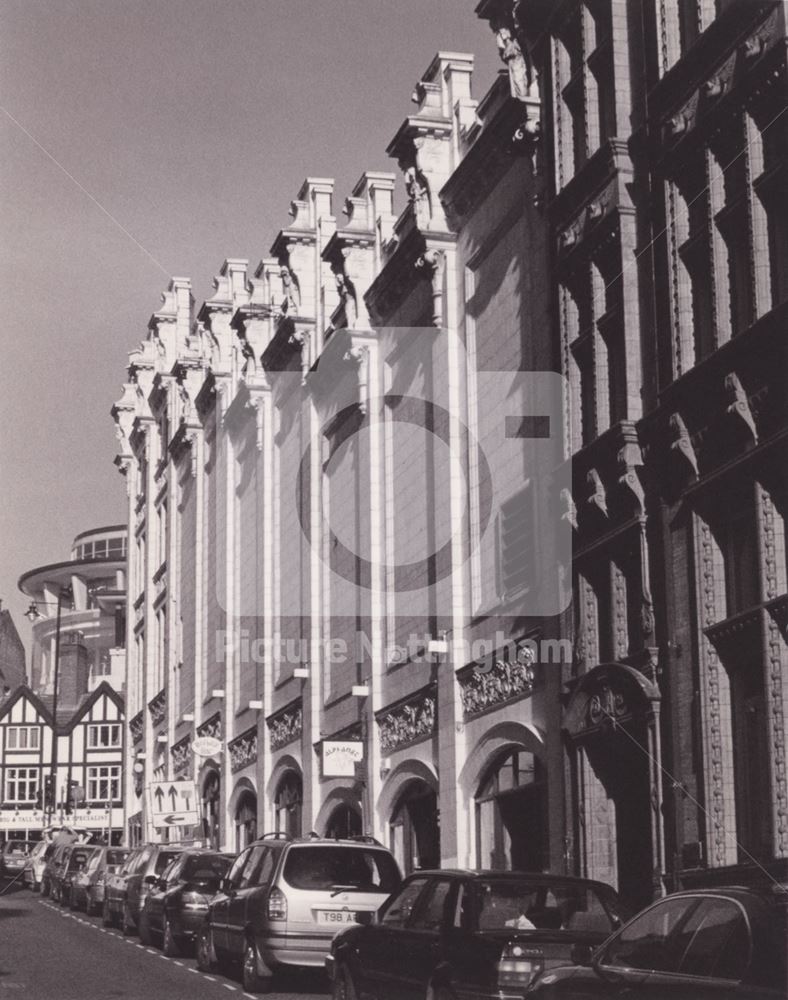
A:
(228, 987)
(195, 971)
(209, 978)
(178, 963)
(151, 951)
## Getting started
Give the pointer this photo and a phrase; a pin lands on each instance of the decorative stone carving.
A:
(739, 406)
(158, 707)
(211, 727)
(137, 727)
(243, 750)
(359, 357)
(597, 496)
(568, 508)
(628, 477)
(404, 723)
(514, 53)
(433, 264)
(480, 690)
(181, 753)
(608, 706)
(681, 444)
(348, 296)
(291, 291)
(418, 189)
(285, 726)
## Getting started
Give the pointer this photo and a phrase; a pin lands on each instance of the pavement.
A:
(49, 953)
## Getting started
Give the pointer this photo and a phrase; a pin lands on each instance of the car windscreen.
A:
(521, 904)
(164, 858)
(115, 858)
(328, 867)
(16, 847)
(205, 867)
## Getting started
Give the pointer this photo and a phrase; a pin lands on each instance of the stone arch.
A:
(400, 777)
(337, 797)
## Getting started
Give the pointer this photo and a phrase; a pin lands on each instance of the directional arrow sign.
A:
(173, 803)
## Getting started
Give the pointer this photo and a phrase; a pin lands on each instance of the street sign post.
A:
(173, 803)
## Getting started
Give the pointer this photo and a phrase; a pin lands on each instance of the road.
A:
(48, 953)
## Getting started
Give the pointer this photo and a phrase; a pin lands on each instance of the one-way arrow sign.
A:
(173, 803)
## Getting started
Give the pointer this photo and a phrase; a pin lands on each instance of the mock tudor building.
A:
(462, 526)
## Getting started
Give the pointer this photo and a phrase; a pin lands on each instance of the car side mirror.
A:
(151, 879)
(366, 918)
(226, 886)
(161, 883)
(580, 954)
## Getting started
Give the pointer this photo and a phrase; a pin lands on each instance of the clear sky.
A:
(193, 123)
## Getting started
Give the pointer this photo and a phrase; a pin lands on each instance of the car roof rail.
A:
(364, 838)
(276, 835)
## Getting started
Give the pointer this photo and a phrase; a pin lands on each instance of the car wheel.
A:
(106, 915)
(127, 924)
(144, 930)
(169, 943)
(343, 987)
(206, 958)
(253, 982)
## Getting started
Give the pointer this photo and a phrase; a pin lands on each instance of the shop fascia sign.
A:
(206, 746)
(340, 757)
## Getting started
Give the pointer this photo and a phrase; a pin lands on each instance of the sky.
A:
(192, 124)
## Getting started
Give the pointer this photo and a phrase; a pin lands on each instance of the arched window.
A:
(245, 820)
(288, 804)
(211, 808)
(344, 821)
(414, 829)
(511, 814)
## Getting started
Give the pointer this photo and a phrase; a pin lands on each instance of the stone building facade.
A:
(663, 148)
(339, 562)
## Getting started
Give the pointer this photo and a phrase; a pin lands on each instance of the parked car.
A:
(125, 891)
(284, 899)
(177, 904)
(74, 863)
(34, 867)
(14, 856)
(87, 891)
(475, 934)
(703, 944)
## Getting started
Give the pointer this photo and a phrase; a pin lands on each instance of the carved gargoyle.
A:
(681, 444)
(739, 406)
(597, 496)
(628, 478)
(568, 508)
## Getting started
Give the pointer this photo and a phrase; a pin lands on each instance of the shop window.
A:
(415, 829)
(288, 804)
(750, 760)
(245, 820)
(511, 814)
(344, 821)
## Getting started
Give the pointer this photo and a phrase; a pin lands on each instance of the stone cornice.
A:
(395, 281)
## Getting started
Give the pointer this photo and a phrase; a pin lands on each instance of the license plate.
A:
(336, 917)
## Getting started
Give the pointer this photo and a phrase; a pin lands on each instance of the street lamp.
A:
(33, 615)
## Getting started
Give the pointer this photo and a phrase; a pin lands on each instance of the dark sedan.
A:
(463, 933)
(705, 944)
(178, 901)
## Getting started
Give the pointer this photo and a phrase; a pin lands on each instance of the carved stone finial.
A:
(597, 496)
(738, 404)
(347, 293)
(681, 443)
(418, 190)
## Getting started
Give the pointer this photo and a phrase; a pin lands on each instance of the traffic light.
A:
(74, 795)
(39, 798)
(49, 791)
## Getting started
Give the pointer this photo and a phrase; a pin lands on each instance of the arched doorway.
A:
(511, 813)
(288, 804)
(344, 821)
(245, 820)
(211, 791)
(612, 724)
(414, 829)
